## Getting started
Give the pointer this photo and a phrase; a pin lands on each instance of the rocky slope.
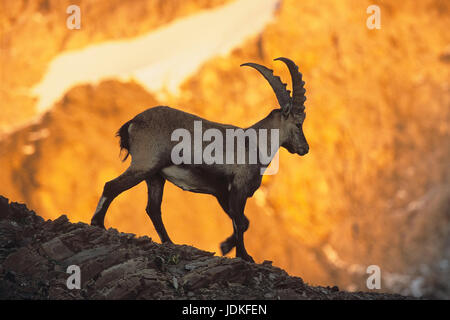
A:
(35, 254)
(374, 188)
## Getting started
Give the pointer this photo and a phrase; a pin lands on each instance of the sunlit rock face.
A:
(160, 59)
(35, 32)
(373, 190)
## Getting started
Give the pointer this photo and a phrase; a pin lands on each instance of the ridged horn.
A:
(298, 90)
(283, 95)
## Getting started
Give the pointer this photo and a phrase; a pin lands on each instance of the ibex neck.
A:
(272, 121)
(268, 133)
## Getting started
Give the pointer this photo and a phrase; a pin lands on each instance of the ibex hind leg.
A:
(228, 245)
(112, 189)
(155, 186)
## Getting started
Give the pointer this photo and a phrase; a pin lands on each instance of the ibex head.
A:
(292, 108)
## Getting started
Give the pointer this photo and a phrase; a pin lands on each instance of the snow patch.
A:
(160, 59)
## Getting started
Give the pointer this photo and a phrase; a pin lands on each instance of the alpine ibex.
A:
(148, 139)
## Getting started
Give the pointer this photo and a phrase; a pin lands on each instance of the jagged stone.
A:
(35, 255)
(89, 254)
(120, 271)
(56, 249)
(4, 208)
(235, 271)
(200, 263)
(25, 261)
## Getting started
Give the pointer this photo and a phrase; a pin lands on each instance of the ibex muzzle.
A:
(147, 138)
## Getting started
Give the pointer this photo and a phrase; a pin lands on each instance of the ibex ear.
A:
(286, 110)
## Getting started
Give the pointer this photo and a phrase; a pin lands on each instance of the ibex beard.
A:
(148, 139)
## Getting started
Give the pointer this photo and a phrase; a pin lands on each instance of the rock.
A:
(175, 283)
(159, 263)
(267, 263)
(25, 261)
(34, 256)
(4, 208)
(232, 271)
(334, 289)
(120, 271)
(127, 288)
(56, 249)
(89, 254)
(292, 283)
(196, 264)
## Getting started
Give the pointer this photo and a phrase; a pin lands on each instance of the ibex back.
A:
(148, 139)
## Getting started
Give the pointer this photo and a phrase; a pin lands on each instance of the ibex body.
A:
(148, 139)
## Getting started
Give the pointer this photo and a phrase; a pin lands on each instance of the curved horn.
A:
(283, 95)
(298, 91)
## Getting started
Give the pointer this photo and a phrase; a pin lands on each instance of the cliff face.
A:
(35, 255)
(32, 33)
(374, 188)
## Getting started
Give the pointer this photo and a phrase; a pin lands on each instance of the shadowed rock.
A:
(35, 254)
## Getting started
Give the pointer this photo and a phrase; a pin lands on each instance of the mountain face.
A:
(373, 190)
(32, 33)
(37, 260)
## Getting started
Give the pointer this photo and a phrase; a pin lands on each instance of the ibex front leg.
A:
(227, 245)
(237, 201)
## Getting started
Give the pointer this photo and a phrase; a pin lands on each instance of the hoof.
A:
(98, 224)
(225, 247)
(249, 259)
(246, 257)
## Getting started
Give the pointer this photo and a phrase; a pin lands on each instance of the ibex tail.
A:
(124, 138)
